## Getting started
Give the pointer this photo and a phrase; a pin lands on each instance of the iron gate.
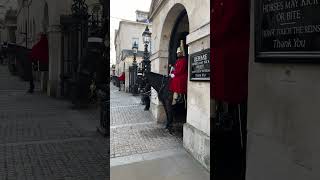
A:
(76, 29)
(73, 44)
(133, 76)
(70, 59)
(104, 127)
(131, 79)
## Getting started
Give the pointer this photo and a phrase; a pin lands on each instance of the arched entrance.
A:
(179, 32)
(175, 29)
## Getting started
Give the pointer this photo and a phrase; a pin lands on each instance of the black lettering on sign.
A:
(200, 66)
(287, 28)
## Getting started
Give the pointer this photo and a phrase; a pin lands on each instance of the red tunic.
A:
(230, 30)
(40, 51)
(178, 84)
(122, 77)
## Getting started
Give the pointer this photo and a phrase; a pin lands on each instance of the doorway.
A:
(180, 30)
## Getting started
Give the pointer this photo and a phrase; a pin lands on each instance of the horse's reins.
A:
(146, 92)
(162, 83)
(161, 87)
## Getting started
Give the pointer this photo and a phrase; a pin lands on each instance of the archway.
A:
(175, 28)
(179, 32)
(175, 24)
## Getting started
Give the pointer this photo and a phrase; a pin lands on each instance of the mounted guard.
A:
(179, 76)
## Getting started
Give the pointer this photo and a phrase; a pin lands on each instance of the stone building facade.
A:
(9, 28)
(128, 33)
(283, 118)
(8, 21)
(188, 20)
(141, 16)
(43, 16)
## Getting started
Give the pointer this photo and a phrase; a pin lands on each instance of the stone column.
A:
(44, 81)
(159, 64)
(54, 34)
(196, 131)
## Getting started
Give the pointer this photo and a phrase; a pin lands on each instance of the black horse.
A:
(161, 84)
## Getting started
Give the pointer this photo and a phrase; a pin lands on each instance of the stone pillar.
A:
(159, 64)
(54, 34)
(44, 81)
(126, 81)
(196, 131)
(128, 62)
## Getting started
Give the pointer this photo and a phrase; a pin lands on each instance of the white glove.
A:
(172, 75)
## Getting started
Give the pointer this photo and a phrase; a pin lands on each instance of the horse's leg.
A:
(147, 103)
(169, 110)
(166, 111)
(147, 98)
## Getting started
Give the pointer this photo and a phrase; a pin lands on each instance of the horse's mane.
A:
(157, 81)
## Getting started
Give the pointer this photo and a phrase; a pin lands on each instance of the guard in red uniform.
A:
(179, 75)
(121, 79)
(40, 57)
(230, 27)
(230, 30)
(40, 51)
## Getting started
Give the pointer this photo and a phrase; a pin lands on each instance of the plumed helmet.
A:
(182, 47)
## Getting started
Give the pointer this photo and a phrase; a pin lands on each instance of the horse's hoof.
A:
(169, 130)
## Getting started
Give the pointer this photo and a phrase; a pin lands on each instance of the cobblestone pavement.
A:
(41, 138)
(133, 130)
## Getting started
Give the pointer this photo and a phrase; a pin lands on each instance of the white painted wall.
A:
(199, 94)
(283, 120)
(129, 30)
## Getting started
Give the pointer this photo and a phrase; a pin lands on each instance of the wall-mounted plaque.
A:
(287, 30)
(200, 66)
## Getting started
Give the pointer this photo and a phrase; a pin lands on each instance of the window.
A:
(135, 40)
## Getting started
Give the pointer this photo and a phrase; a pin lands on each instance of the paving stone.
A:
(133, 130)
(41, 138)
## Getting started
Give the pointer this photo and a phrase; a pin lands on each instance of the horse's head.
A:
(157, 81)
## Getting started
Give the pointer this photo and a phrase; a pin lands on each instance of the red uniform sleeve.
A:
(122, 77)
